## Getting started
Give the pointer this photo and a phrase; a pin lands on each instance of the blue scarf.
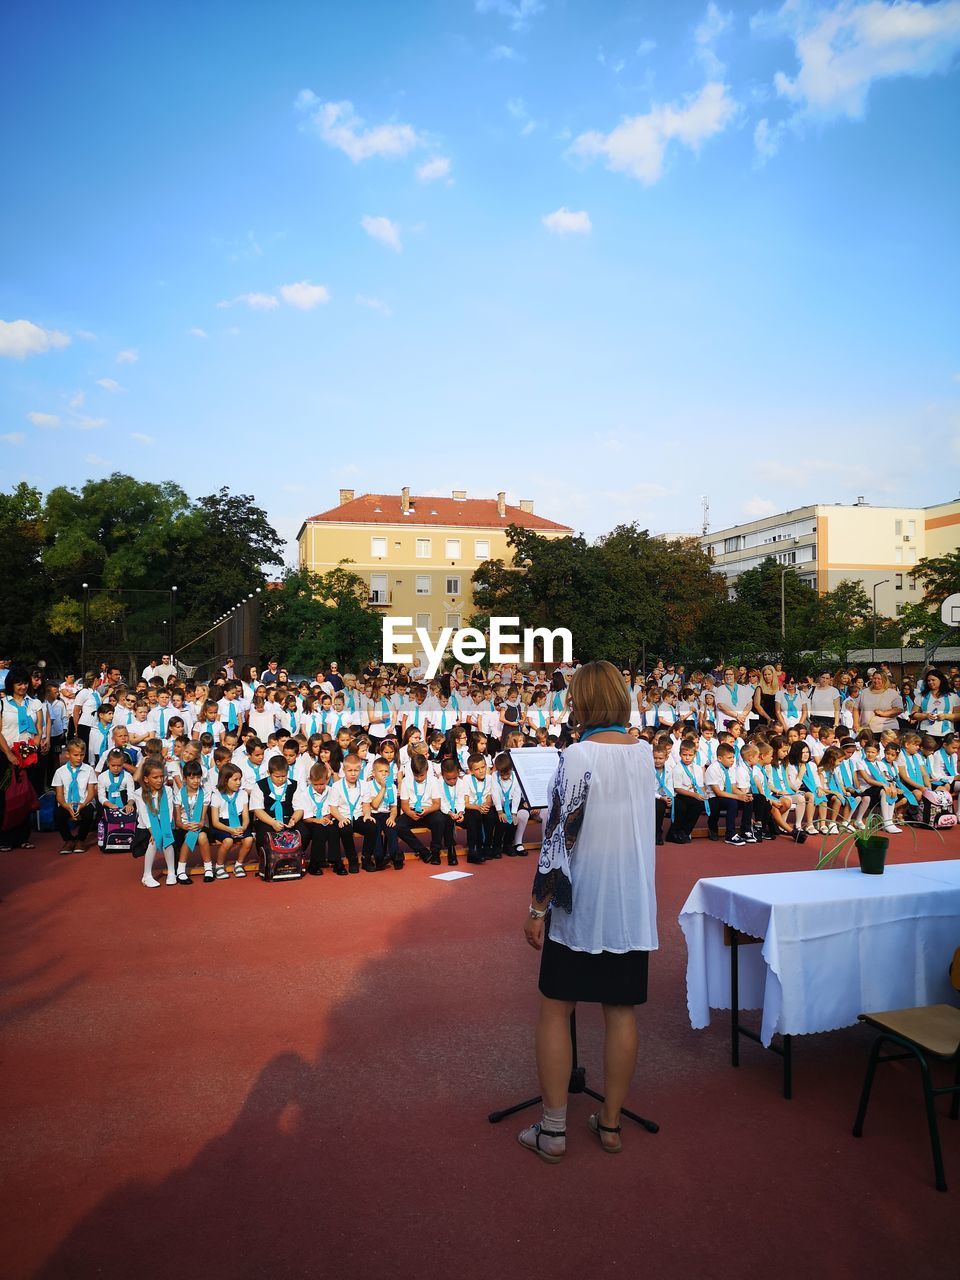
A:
(928, 698)
(557, 701)
(103, 734)
(313, 724)
(316, 799)
(695, 786)
(25, 721)
(352, 805)
(192, 813)
(73, 791)
(812, 783)
(277, 799)
(780, 774)
(506, 794)
(479, 787)
(949, 764)
(418, 795)
(115, 789)
(159, 819)
(451, 795)
(791, 700)
(233, 813)
(162, 723)
(385, 712)
(231, 715)
(293, 720)
(761, 788)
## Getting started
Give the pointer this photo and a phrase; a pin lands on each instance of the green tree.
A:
(940, 577)
(757, 592)
(23, 584)
(314, 618)
(844, 619)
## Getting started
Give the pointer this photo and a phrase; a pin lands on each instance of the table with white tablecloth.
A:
(836, 943)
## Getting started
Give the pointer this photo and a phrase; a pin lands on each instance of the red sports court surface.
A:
(250, 1080)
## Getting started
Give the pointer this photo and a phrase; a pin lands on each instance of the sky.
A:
(611, 257)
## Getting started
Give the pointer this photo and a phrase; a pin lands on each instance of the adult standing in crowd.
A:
(24, 727)
(596, 879)
(937, 710)
(825, 702)
(878, 706)
(269, 676)
(334, 677)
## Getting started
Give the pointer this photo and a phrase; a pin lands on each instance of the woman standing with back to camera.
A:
(595, 878)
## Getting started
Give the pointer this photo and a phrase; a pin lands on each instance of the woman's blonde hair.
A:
(598, 696)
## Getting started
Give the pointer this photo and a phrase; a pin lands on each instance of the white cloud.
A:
(140, 437)
(638, 144)
(707, 32)
(86, 336)
(90, 424)
(76, 400)
(843, 50)
(518, 109)
(338, 125)
(645, 48)
(767, 139)
(505, 53)
(108, 384)
(517, 12)
(13, 437)
(22, 338)
(304, 295)
(255, 301)
(616, 65)
(94, 460)
(431, 170)
(757, 507)
(382, 229)
(565, 222)
(373, 304)
(128, 357)
(44, 419)
(198, 333)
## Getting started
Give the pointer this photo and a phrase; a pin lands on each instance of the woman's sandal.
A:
(208, 877)
(183, 878)
(239, 872)
(530, 1138)
(600, 1129)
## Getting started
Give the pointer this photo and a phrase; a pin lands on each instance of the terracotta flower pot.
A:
(872, 853)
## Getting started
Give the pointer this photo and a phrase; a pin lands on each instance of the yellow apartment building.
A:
(417, 554)
(877, 546)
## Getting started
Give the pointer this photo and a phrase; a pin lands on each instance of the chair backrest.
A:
(955, 970)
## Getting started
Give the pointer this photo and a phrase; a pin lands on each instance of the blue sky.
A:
(606, 256)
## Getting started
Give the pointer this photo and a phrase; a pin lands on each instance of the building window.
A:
(423, 584)
(424, 548)
(452, 549)
(481, 549)
(911, 555)
(378, 589)
(898, 581)
(898, 555)
(731, 544)
(453, 586)
(911, 528)
(786, 557)
(912, 582)
(899, 607)
(453, 620)
(897, 528)
(378, 547)
(423, 620)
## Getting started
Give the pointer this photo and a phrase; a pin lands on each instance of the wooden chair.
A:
(932, 1031)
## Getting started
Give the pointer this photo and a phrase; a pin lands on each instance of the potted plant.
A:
(871, 843)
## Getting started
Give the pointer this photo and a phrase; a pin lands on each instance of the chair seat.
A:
(935, 1028)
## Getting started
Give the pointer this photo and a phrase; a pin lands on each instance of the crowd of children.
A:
(362, 766)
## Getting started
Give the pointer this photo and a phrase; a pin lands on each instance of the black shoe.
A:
(425, 858)
(399, 862)
(452, 860)
(492, 853)
(183, 878)
(520, 851)
(659, 840)
(208, 877)
(474, 859)
(801, 836)
(713, 835)
(672, 837)
(368, 864)
(434, 859)
(353, 868)
(338, 869)
(379, 866)
(510, 853)
(314, 871)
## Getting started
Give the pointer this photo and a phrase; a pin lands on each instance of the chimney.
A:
(501, 504)
(459, 495)
(405, 500)
(526, 504)
(346, 495)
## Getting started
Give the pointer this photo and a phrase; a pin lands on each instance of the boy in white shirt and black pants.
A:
(75, 785)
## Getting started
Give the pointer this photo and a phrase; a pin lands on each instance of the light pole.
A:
(83, 632)
(783, 601)
(873, 652)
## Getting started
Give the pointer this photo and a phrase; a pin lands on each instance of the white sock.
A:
(554, 1119)
(521, 819)
(170, 859)
(181, 868)
(208, 866)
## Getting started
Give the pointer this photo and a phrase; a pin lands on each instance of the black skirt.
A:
(602, 978)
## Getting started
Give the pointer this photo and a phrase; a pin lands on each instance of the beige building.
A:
(877, 546)
(418, 554)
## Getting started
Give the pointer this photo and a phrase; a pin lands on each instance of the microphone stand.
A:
(578, 1084)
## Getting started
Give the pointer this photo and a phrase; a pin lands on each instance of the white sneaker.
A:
(892, 828)
(833, 829)
(171, 877)
(811, 829)
(150, 883)
(860, 824)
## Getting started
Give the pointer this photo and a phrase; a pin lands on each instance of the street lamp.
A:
(783, 601)
(873, 652)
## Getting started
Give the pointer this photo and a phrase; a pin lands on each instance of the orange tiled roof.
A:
(471, 513)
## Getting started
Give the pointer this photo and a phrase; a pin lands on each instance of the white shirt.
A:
(85, 776)
(100, 736)
(504, 791)
(223, 712)
(264, 722)
(107, 781)
(799, 712)
(452, 797)
(477, 790)
(311, 802)
(681, 780)
(11, 720)
(347, 800)
(738, 696)
(738, 775)
(370, 792)
(426, 790)
(213, 727)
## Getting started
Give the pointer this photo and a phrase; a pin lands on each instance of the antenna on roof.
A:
(706, 514)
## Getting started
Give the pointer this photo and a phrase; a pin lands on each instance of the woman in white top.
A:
(936, 709)
(825, 702)
(596, 871)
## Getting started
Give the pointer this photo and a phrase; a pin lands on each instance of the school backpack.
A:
(280, 856)
(115, 833)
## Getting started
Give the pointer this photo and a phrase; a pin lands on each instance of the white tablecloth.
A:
(836, 944)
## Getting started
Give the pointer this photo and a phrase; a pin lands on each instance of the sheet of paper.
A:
(452, 875)
(535, 767)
